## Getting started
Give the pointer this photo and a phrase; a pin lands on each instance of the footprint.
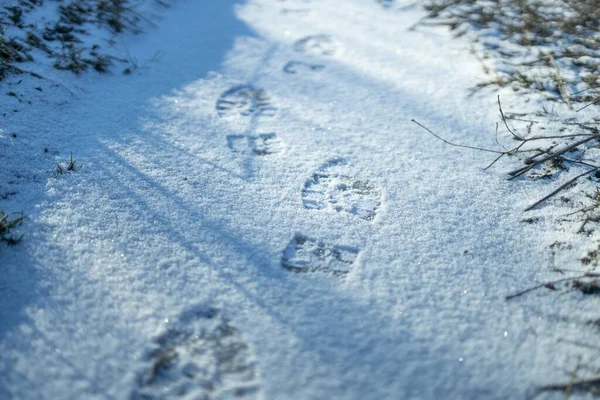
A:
(322, 45)
(259, 145)
(301, 12)
(294, 66)
(386, 3)
(332, 187)
(205, 358)
(304, 254)
(244, 100)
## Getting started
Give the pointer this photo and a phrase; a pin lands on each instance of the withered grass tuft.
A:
(7, 223)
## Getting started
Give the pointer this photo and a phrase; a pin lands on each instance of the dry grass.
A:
(550, 46)
(547, 51)
(67, 40)
(539, 47)
(7, 223)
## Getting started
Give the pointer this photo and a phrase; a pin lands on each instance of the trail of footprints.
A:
(331, 188)
(205, 358)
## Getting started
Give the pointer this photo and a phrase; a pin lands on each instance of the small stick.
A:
(523, 120)
(577, 162)
(456, 144)
(580, 384)
(560, 136)
(561, 187)
(585, 90)
(521, 171)
(531, 289)
(589, 128)
(575, 343)
(495, 161)
(587, 219)
(539, 153)
(589, 104)
(496, 137)
(517, 149)
(504, 119)
(560, 83)
(569, 387)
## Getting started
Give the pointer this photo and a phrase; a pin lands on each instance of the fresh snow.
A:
(254, 215)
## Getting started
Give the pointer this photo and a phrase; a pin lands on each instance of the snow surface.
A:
(254, 215)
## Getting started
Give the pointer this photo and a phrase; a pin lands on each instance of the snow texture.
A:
(255, 141)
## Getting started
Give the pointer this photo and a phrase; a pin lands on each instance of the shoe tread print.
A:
(205, 359)
(259, 145)
(385, 3)
(304, 254)
(333, 187)
(321, 45)
(293, 67)
(244, 100)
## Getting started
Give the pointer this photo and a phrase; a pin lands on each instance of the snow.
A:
(207, 171)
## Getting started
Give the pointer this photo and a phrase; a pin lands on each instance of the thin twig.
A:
(523, 120)
(573, 342)
(521, 171)
(569, 387)
(496, 137)
(495, 161)
(560, 83)
(531, 289)
(578, 162)
(561, 187)
(540, 152)
(558, 136)
(504, 120)
(589, 104)
(585, 90)
(456, 144)
(531, 162)
(583, 384)
(592, 129)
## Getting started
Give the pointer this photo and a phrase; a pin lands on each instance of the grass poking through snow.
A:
(7, 223)
(548, 53)
(60, 169)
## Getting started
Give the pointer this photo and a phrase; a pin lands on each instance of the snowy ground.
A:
(254, 215)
